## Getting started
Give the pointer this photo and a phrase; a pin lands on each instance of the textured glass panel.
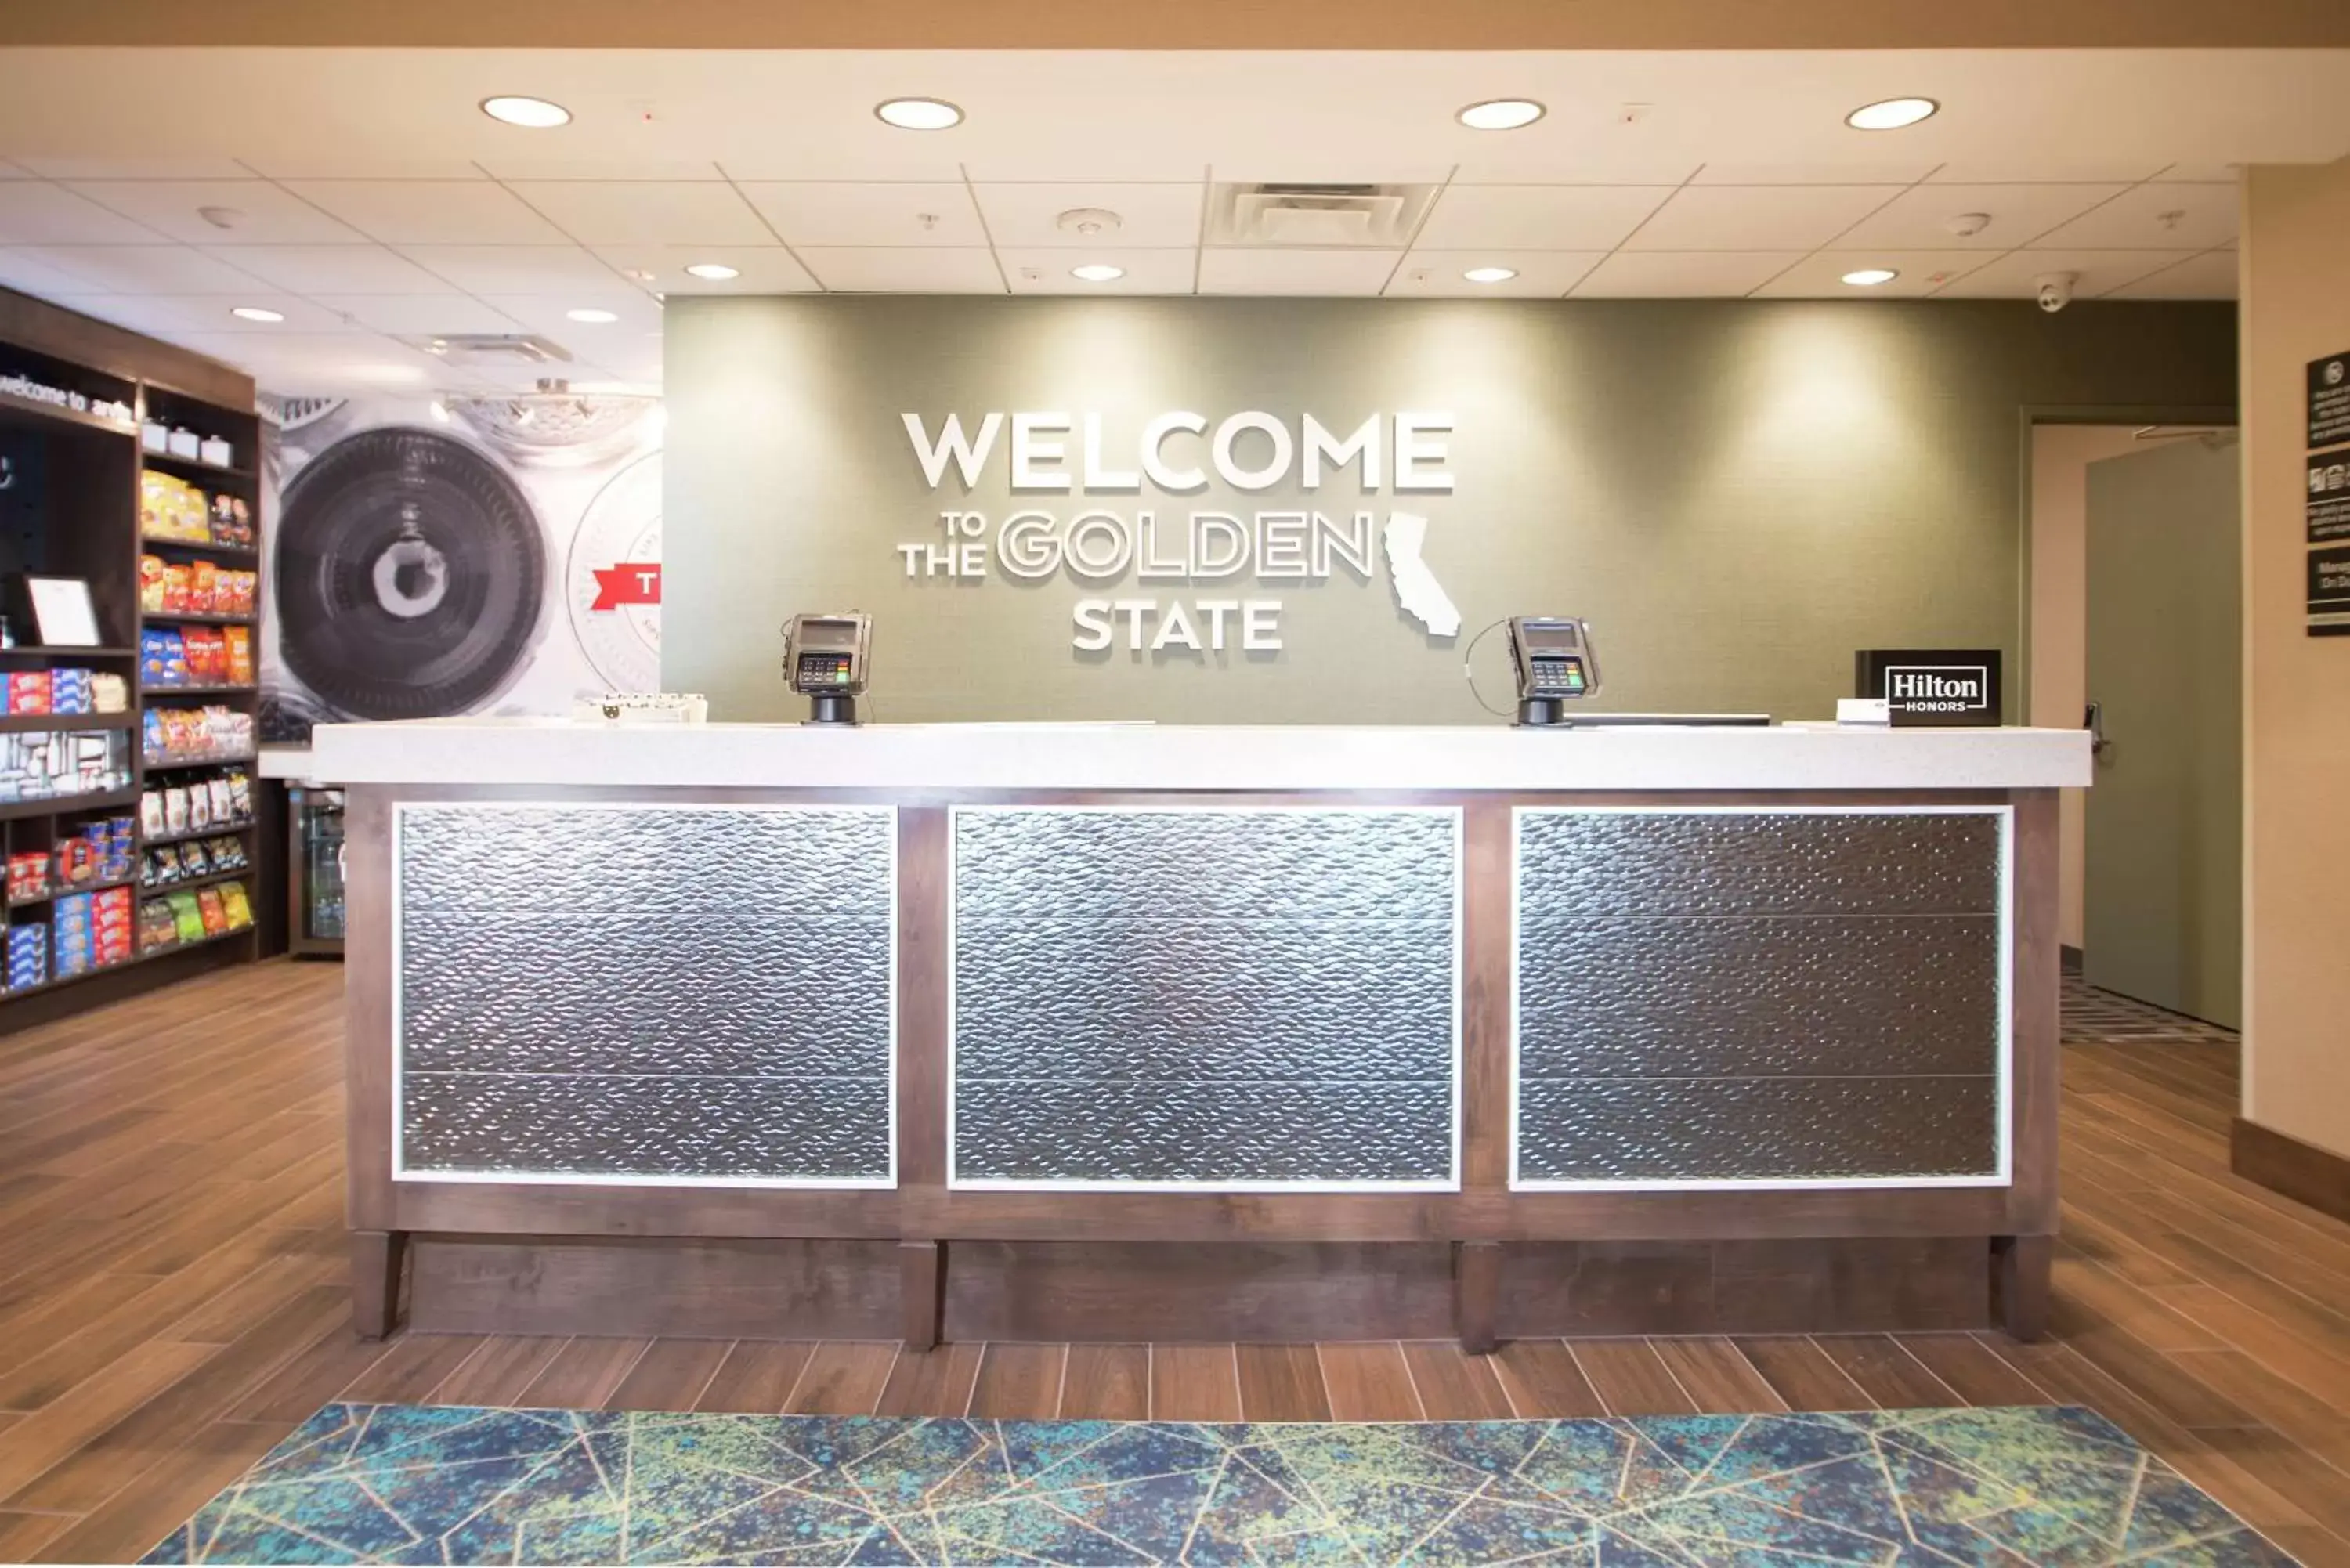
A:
(1204, 996)
(1729, 996)
(1757, 995)
(1289, 865)
(1063, 999)
(835, 1128)
(1614, 1129)
(1756, 863)
(1015, 1130)
(575, 981)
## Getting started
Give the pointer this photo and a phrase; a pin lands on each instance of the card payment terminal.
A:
(826, 659)
(1552, 656)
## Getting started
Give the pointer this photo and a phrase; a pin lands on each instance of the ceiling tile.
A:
(2211, 276)
(1259, 270)
(549, 314)
(1153, 216)
(263, 214)
(332, 269)
(346, 161)
(1572, 170)
(1683, 275)
(2154, 217)
(156, 312)
(34, 212)
(136, 168)
(1820, 275)
(27, 272)
(2202, 174)
(1755, 217)
(641, 212)
(513, 169)
(416, 315)
(318, 361)
(9, 171)
(2050, 171)
(766, 269)
(903, 269)
(2014, 275)
(147, 269)
(431, 212)
(1538, 217)
(1165, 270)
(1811, 174)
(511, 269)
(1918, 219)
(831, 212)
(1542, 275)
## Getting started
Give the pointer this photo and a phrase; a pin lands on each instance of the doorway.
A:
(2162, 887)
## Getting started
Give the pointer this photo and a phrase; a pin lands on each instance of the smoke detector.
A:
(1967, 224)
(1281, 212)
(1087, 223)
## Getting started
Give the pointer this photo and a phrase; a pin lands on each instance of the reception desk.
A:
(1138, 1032)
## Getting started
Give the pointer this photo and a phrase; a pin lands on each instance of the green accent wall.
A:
(1736, 493)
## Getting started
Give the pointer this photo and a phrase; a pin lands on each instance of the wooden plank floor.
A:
(171, 1298)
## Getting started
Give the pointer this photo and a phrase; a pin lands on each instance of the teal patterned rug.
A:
(2015, 1488)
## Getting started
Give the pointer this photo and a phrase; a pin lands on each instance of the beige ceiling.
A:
(371, 202)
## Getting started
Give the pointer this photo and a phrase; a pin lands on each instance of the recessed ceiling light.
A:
(1500, 114)
(533, 113)
(919, 113)
(592, 318)
(255, 313)
(1097, 271)
(1892, 114)
(1490, 273)
(1870, 276)
(715, 272)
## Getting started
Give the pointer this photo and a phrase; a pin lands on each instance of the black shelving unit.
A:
(73, 509)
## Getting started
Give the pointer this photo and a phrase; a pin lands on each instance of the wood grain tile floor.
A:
(172, 1297)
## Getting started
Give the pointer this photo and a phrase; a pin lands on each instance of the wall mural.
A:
(431, 557)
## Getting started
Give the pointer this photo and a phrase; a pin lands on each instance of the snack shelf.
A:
(177, 764)
(80, 888)
(26, 724)
(190, 884)
(217, 830)
(190, 617)
(59, 805)
(202, 941)
(234, 552)
(56, 980)
(149, 458)
(40, 651)
(160, 691)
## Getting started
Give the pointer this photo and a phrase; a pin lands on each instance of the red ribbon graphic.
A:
(629, 582)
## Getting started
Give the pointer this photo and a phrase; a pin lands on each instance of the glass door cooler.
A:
(315, 816)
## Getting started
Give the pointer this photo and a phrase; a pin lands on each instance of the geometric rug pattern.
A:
(2015, 1488)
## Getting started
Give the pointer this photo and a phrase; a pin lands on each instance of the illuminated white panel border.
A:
(608, 1179)
(2004, 1173)
(1069, 1184)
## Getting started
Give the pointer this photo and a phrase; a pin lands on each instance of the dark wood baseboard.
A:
(2302, 1172)
(1272, 1292)
(2069, 960)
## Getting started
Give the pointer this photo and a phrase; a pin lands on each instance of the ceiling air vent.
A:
(1379, 217)
(492, 347)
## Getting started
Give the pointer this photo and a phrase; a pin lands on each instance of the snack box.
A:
(29, 692)
(109, 693)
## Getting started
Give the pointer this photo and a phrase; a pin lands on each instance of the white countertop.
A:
(937, 757)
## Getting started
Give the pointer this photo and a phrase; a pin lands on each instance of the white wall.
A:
(2061, 455)
(2296, 308)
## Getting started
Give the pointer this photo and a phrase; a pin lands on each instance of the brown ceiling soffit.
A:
(1464, 24)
